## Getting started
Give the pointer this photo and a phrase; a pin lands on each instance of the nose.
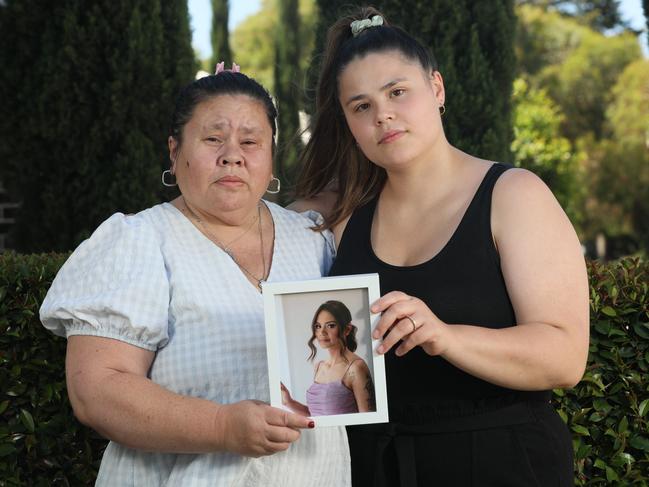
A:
(230, 154)
(383, 115)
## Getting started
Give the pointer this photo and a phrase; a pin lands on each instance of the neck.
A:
(424, 180)
(230, 221)
(335, 355)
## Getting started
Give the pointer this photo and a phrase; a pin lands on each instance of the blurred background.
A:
(558, 87)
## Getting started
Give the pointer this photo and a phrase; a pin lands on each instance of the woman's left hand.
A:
(408, 319)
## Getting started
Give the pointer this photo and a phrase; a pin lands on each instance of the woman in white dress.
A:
(164, 316)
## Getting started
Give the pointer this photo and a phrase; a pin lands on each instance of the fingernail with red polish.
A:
(311, 424)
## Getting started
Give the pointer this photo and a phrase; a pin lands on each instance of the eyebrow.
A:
(386, 86)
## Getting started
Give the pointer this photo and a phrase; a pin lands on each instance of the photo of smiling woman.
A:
(342, 384)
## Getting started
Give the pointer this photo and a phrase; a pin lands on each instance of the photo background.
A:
(296, 312)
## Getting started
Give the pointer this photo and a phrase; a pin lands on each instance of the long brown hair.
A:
(343, 318)
(331, 159)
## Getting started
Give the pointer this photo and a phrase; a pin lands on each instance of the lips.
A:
(391, 136)
(230, 180)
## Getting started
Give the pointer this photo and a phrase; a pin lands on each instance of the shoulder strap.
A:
(358, 226)
(349, 367)
(317, 368)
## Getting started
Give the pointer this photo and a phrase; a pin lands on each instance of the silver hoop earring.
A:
(276, 190)
(164, 181)
(442, 110)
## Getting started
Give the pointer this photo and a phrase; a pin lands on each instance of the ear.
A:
(348, 329)
(437, 84)
(173, 152)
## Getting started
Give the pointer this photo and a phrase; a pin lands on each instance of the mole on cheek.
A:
(187, 163)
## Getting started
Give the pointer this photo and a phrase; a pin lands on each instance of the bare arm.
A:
(545, 274)
(292, 404)
(359, 380)
(109, 391)
(323, 204)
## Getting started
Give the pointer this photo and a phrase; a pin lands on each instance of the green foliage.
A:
(619, 172)
(253, 41)
(545, 38)
(87, 112)
(41, 444)
(539, 146)
(287, 91)
(608, 411)
(599, 15)
(582, 83)
(220, 35)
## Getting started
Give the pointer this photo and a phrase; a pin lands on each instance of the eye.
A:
(331, 326)
(361, 107)
(249, 142)
(317, 326)
(213, 139)
(397, 92)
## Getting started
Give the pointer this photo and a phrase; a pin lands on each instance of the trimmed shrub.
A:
(608, 410)
(42, 444)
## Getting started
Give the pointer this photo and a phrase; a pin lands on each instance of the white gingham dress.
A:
(154, 281)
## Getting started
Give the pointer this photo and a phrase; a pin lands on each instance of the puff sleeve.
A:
(114, 285)
(327, 236)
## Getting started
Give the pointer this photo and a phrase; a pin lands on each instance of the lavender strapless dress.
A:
(330, 398)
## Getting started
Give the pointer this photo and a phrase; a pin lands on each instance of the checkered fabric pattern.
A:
(154, 281)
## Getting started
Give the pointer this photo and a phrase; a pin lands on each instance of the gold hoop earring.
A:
(442, 110)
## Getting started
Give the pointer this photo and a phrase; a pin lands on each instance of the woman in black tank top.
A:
(484, 291)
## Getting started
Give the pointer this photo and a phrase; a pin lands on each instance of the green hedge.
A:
(607, 411)
(42, 444)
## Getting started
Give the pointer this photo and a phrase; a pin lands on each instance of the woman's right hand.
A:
(253, 428)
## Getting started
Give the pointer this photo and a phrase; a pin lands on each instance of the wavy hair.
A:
(342, 317)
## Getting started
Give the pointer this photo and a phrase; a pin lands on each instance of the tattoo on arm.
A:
(371, 399)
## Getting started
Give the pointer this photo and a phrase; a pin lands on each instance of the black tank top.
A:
(463, 284)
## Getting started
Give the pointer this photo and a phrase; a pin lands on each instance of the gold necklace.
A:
(229, 251)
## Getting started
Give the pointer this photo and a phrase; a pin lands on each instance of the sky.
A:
(201, 19)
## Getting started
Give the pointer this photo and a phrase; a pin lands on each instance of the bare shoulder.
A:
(359, 366)
(521, 198)
(516, 183)
(323, 203)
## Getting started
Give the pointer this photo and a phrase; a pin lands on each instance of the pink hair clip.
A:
(220, 68)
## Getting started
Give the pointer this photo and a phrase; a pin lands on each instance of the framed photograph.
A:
(322, 361)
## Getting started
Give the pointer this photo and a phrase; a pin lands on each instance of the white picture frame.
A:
(289, 309)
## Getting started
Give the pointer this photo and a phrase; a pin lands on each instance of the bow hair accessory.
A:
(359, 26)
(220, 68)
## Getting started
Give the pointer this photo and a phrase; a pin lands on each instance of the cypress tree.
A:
(89, 94)
(179, 68)
(220, 36)
(474, 45)
(287, 90)
(328, 13)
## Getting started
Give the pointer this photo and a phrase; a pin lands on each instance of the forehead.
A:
(325, 316)
(231, 112)
(373, 71)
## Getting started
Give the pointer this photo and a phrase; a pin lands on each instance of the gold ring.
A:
(414, 323)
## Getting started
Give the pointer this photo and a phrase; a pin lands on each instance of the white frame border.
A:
(271, 290)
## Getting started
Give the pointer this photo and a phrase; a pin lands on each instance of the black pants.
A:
(526, 444)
